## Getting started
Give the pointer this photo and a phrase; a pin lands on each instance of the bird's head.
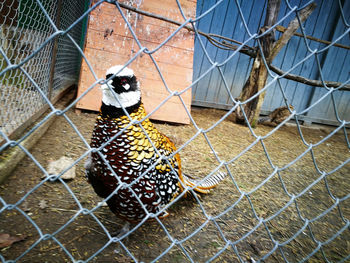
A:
(121, 84)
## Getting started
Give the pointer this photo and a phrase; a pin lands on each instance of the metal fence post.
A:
(54, 52)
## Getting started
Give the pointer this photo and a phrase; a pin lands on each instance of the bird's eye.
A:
(123, 81)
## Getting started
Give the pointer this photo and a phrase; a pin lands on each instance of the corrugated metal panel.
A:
(224, 20)
(335, 67)
(324, 23)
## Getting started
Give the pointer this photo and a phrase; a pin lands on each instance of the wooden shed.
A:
(110, 42)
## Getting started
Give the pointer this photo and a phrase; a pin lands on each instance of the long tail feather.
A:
(206, 185)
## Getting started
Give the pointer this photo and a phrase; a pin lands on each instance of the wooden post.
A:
(258, 74)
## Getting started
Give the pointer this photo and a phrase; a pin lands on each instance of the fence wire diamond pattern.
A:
(278, 204)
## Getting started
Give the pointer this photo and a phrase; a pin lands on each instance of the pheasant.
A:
(137, 169)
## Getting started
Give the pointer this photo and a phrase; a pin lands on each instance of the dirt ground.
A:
(283, 200)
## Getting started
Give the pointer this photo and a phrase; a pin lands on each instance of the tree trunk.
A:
(255, 82)
(258, 75)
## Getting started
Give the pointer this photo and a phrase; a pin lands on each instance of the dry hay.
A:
(51, 205)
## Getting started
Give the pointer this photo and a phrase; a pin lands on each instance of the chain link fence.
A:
(53, 65)
(279, 203)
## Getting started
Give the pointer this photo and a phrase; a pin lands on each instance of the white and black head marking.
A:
(123, 86)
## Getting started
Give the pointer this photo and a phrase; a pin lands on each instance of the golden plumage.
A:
(134, 166)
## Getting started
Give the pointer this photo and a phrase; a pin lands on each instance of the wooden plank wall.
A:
(109, 42)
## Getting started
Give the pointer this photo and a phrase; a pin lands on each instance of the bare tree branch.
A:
(211, 37)
(272, 11)
(141, 12)
(250, 51)
(311, 82)
(291, 29)
(228, 46)
(249, 112)
(282, 29)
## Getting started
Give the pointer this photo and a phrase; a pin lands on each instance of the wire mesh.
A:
(24, 34)
(68, 59)
(244, 225)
